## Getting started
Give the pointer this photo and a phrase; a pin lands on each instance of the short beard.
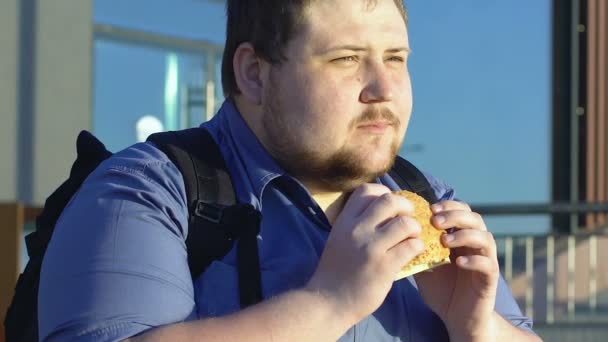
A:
(341, 171)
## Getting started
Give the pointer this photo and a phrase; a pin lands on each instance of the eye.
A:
(398, 59)
(346, 59)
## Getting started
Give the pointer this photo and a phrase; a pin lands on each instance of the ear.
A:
(248, 73)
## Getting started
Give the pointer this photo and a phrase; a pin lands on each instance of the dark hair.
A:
(268, 25)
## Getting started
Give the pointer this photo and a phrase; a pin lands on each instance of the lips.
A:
(376, 126)
(375, 120)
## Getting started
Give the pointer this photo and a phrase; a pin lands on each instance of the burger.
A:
(435, 254)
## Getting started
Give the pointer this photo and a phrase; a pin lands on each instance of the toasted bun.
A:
(435, 253)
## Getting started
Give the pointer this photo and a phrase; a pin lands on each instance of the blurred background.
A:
(509, 109)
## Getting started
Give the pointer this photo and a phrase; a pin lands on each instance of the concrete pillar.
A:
(9, 47)
(55, 93)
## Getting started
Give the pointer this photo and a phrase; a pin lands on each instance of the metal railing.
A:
(556, 274)
(556, 278)
(542, 208)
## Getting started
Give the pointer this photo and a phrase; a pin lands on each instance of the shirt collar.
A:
(244, 145)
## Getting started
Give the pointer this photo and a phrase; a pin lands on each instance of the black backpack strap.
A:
(409, 177)
(216, 221)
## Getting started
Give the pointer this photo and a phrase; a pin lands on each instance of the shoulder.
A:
(144, 160)
(140, 167)
(443, 191)
(140, 177)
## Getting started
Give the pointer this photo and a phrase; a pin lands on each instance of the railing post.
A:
(550, 279)
(509, 259)
(592, 273)
(530, 276)
(571, 276)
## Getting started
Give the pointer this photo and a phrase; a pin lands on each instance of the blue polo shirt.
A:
(117, 263)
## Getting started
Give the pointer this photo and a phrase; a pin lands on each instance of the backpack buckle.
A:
(236, 220)
(210, 212)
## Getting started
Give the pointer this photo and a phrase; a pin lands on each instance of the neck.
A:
(331, 203)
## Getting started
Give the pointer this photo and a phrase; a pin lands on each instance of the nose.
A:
(378, 87)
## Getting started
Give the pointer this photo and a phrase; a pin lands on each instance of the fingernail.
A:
(440, 219)
(448, 238)
(418, 244)
(436, 208)
(418, 226)
(463, 260)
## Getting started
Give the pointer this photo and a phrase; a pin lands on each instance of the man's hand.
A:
(463, 293)
(372, 239)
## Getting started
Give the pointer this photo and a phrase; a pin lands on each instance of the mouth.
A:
(375, 127)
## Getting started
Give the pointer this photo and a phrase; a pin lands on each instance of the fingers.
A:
(483, 241)
(393, 240)
(480, 264)
(363, 196)
(379, 197)
(471, 231)
(449, 205)
(464, 219)
(397, 230)
(384, 208)
(404, 252)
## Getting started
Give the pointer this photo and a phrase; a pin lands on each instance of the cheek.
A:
(402, 82)
(340, 99)
(333, 114)
(326, 105)
(403, 97)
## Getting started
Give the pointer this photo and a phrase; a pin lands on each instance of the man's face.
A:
(335, 113)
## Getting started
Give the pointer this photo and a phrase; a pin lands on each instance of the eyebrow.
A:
(360, 48)
(399, 49)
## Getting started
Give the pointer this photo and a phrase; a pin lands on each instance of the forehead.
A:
(354, 21)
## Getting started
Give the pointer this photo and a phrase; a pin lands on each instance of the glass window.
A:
(140, 90)
(481, 73)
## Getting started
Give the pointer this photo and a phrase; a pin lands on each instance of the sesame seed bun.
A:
(435, 253)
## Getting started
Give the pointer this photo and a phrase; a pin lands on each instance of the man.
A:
(319, 99)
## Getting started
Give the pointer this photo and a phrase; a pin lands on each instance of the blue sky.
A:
(481, 79)
(481, 72)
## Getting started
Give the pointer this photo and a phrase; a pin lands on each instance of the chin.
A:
(378, 164)
(345, 169)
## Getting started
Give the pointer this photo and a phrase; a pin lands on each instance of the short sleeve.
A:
(117, 262)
